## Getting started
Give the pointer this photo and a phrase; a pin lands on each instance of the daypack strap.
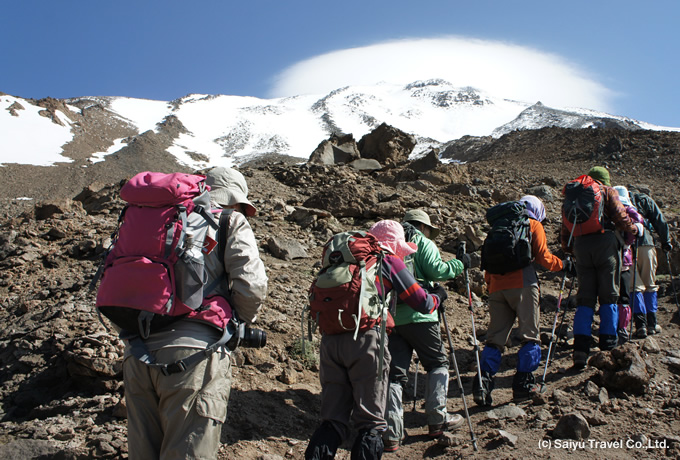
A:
(222, 235)
(207, 216)
(222, 230)
(362, 295)
(169, 236)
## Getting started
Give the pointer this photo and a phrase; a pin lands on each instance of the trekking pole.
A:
(415, 385)
(632, 294)
(670, 271)
(461, 251)
(564, 314)
(564, 311)
(452, 358)
(552, 335)
(302, 326)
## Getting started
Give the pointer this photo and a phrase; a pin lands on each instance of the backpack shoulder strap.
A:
(222, 232)
(207, 216)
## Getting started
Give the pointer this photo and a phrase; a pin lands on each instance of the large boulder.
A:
(427, 162)
(338, 149)
(344, 200)
(623, 369)
(387, 144)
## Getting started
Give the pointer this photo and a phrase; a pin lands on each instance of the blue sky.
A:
(621, 55)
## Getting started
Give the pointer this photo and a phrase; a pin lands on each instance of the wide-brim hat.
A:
(418, 215)
(228, 187)
(390, 235)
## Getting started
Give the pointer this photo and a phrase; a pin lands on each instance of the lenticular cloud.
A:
(503, 70)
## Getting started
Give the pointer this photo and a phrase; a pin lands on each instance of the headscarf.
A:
(624, 197)
(535, 207)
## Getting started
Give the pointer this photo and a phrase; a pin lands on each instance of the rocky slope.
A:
(62, 394)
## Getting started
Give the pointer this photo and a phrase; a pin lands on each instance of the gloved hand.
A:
(569, 267)
(461, 249)
(467, 261)
(441, 293)
(667, 246)
(640, 229)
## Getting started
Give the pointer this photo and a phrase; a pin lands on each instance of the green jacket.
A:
(427, 267)
(654, 220)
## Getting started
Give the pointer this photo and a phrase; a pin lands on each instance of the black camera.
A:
(254, 338)
(245, 336)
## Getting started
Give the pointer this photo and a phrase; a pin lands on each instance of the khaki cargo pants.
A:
(176, 416)
(508, 304)
(647, 264)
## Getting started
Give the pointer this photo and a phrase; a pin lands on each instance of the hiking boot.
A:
(482, 395)
(580, 359)
(607, 342)
(640, 325)
(391, 445)
(622, 336)
(453, 422)
(641, 333)
(524, 386)
(652, 326)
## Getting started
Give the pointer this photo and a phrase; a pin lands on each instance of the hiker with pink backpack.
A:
(182, 283)
(628, 274)
(348, 301)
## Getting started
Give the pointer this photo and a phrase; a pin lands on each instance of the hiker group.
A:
(616, 261)
(183, 283)
(603, 233)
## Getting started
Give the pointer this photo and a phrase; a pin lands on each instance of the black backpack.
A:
(507, 246)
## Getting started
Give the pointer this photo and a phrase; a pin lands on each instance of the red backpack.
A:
(345, 297)
(583, 206)
(154, 273)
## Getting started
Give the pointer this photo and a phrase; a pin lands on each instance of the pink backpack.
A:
(154, 273)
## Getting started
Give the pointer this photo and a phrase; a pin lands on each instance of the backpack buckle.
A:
(174, 368)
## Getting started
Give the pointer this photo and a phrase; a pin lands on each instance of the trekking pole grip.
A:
(459, 254)
(461, 249)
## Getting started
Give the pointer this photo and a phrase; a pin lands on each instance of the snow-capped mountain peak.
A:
(208, 130)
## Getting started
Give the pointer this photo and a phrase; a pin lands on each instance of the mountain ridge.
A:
(228, 130)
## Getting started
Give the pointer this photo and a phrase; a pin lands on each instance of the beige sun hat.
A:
(418, 215)
(228, 187)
